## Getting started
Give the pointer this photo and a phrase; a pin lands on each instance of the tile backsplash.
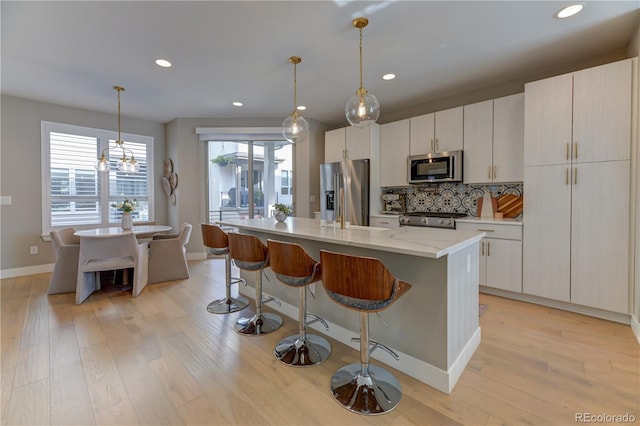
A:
(451, 197)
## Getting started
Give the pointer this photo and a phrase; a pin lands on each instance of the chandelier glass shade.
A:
(363, 108)
(124, 163)
(295, 128)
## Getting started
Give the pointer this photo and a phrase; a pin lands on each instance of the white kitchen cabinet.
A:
(576, 210)
(500, 254)
(334, 145)
(351, 142)
(494, 140)
(508, 138)
(389, 221)
(437, 132)
(394, 150)
(579, 117)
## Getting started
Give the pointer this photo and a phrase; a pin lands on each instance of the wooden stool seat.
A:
(294, 267)
(217, 242)
(250, 254)
(365, 285)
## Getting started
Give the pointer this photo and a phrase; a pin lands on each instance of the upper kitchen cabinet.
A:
(579, 117)
(494, 140)
(436, 132)
(394, 150)
(351, 142)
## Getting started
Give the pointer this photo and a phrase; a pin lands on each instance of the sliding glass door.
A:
(245, 179)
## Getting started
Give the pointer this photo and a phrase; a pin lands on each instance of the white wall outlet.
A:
(33, 250)
(468, 263)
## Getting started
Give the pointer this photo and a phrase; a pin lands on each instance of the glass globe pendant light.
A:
(295, 128)
(124, 163)
(362, 109)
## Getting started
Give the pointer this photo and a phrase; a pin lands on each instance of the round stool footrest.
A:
(227, 306)
(376, 393)
(258, 324)
(296, 352)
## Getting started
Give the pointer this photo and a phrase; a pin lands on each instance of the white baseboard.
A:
(433, 376)
(27, 270)
(635, 327)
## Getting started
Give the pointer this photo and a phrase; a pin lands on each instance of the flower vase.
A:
(280, 216)
(127, 222)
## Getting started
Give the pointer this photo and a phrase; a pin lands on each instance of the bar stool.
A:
(365, 285)
(294, 267)
(249, 254)
(217, 241)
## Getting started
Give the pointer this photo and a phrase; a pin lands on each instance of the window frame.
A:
(103, 137)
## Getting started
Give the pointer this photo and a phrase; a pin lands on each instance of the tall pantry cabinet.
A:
(576, 180)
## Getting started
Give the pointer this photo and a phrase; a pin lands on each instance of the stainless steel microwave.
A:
(435, 167)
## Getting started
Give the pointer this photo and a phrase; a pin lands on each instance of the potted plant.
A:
(220, 161)
(281, 211)
(126, 207)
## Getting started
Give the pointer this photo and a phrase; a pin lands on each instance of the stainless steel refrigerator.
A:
(349, 178)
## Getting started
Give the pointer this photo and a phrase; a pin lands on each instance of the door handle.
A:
(566, 150)
(575, 150)
(489, 172)
(495, 171)
(488, 248)
(575, 176)
(566, 176)
(482, 248)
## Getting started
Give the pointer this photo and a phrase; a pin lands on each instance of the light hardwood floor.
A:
(161, 358)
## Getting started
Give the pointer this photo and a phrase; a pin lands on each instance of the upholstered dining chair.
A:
(107, 254)
(65, 271)
(167, 256)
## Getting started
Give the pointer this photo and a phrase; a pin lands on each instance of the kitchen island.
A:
(434, 327)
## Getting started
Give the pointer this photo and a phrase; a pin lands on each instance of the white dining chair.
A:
(167, 256)
(108, 254)
(65, 271)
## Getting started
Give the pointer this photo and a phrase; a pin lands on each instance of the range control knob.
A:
(440, 221)
(424, 220)
(447, 222)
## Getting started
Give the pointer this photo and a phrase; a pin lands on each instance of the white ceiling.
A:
(71, 53)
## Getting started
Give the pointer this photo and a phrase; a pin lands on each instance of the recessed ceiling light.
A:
(389, 76)
(301, 108)
(237, 104)
(163, 63)
(569, 11)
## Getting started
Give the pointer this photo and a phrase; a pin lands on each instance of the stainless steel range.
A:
(431, 219)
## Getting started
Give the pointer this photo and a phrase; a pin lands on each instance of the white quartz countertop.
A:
(411, 240)
(500, 221)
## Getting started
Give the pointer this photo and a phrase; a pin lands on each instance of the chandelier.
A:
(295, 128)
(362, 109)
(125, 163)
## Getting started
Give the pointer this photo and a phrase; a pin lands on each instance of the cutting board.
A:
(480, 202)
(510, 205)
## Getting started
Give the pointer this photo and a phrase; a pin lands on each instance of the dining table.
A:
(140, 231)
(97, 235)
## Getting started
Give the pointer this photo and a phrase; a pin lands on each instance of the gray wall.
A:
(20, 172)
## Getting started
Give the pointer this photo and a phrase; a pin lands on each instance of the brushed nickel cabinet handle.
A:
(575, 176)
(575, 150)
(488, 248)
(566, 150)
(482, 248)
(566, 176)
(432, 146)
(495, 172)
(437, 148)
(488, 172)
(485, 230)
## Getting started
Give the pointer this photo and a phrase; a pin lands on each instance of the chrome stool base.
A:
(227, 306)
(298, 352)
(258, 324)
(376, 393)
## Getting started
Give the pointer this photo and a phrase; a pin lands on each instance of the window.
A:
(286, 182)
(75, 194)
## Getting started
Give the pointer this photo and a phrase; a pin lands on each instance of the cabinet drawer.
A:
(384, 222)
(493, 230)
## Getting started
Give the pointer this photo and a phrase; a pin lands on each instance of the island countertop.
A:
(415, 241)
